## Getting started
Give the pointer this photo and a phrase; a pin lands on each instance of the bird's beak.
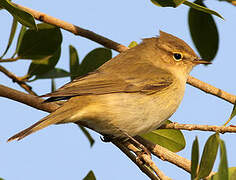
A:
(200, 61)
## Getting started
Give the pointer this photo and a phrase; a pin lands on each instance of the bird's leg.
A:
(139, 145)
(109, 138)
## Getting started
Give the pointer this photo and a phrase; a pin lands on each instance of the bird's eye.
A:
(177, 56)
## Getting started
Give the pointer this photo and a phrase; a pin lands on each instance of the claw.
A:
(106, 138)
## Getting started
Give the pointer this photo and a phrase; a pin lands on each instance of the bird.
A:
(131, 94)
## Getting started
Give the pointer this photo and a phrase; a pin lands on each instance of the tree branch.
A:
(16, 79)
(166, 155)
(9, 59)
(28, 99)
(211, 89)
(143, 168)
(147, 159)
(190, 127)
(73, 29)
(120, 48)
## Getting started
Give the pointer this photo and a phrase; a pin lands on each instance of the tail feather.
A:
(35, 127)
(60, 115)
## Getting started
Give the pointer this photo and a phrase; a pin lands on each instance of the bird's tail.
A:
(35, 127)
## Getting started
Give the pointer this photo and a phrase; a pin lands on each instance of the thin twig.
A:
(16, 79)
(211, 89)
(143, 168)
(147, 160)
(28, 99)
(120, 48)
(167, 155)
(190, 127)
(9, 59)
(74, 29)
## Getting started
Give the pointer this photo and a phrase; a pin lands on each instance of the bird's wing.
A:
(143, 78)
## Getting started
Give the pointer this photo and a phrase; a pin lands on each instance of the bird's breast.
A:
(133, 113)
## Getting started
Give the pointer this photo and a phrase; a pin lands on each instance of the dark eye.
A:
(178, 56)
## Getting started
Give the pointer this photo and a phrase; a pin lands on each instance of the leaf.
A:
(12, 34)
(201, 8)
(223, 167)
(233, 113)
(23, 17)
(194, 158)
(231, 173)
(74, 62)
(171, 139)
(167, 3)
(94, 59)
(40, 44)
(19, 40)
(87, 134)
(90, 176)
(54, 73)
(38, 67)
(133, 44)
(208, 156)
(204, 32)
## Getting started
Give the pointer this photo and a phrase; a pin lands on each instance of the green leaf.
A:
(201, 8)
(54, 73)
(231, 174)
(23, 17)
(87, 134)
(204, 32)
(233, 113)
(13, 31)
(40, 44)
(208, 156)
(74, 62)
(194, 158)
(90, 176)
(94, 59)
(167, 3)
(223, 167)
(171, 139)
(39, 67)
(19, 40)
(133, 44)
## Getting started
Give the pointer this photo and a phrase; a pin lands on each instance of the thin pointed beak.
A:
(201, 61)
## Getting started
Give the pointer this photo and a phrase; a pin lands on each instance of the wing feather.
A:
(143, 78)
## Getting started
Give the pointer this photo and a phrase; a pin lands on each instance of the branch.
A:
(190, 127)
(143, 168)
(147, 159)
(73, 29)
(167, 155)
(120, 48)
(9, 59)
(17, 80)
(28, 99)
(211, 89)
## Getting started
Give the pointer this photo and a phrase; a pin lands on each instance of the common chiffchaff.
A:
(133, 93)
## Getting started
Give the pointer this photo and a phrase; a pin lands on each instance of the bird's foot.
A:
(107, 138)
